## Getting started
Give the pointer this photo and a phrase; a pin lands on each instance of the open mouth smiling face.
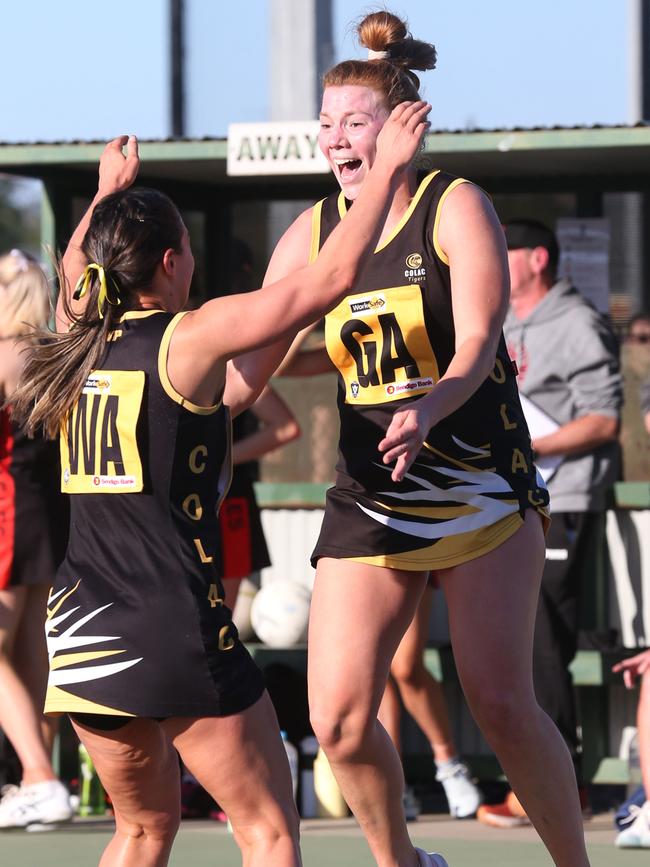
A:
(350, 121)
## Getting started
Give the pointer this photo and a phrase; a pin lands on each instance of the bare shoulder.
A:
(465, 199)
(467, 217)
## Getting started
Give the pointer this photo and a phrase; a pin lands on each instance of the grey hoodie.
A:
(567, 357)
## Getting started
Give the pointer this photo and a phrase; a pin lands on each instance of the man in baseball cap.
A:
(567, 357)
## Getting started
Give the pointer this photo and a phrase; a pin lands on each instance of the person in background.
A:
(424, 699)
(33, 535)
(268, 425)
(637, 834)
(635, 445)
(638, 335)
(568, 367)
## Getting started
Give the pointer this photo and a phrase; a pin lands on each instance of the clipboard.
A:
(540, 424)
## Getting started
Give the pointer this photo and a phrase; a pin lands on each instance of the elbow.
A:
(605, 431)
(611, 429)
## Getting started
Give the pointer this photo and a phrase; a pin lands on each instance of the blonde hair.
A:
(391, 75)
(25, 301)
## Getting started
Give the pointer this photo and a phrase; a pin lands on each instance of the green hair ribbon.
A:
(83, 283)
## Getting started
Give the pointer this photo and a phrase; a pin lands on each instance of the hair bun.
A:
(383, 31)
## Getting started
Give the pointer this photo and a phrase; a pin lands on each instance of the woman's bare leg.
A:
(241, 762)
(492, 602)
(390, 714)
(139, 769)
(421, 693)
(359, 614)
(22, 611)
(30, 658)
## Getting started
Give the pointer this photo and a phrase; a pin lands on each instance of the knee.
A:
(341, 735)
(152, 826)
(270, 831)
(408, 673)
(502, 714)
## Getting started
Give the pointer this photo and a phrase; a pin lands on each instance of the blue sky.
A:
(86, 69)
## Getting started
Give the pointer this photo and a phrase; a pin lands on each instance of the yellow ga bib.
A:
(99, 447)
(379, 343)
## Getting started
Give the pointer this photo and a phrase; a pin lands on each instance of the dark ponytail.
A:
(128, 235)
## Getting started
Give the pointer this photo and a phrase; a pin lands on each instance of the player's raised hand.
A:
(118, 170)
(402, 134)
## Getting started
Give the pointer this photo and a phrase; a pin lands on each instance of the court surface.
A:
(333, 843)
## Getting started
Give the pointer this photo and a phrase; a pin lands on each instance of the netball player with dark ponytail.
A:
(143, 654)
(435, 469)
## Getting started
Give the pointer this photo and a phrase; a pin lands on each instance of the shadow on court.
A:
(324, 844)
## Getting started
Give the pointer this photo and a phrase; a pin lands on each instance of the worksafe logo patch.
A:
(97, 385)
(372, 304)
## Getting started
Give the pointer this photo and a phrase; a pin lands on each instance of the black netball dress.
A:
(136, 625)
(33, 513)
(391, 341)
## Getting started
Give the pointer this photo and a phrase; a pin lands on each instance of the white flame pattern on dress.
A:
(68, 639)
(475, 492)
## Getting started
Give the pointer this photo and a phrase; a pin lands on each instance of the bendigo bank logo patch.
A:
(410, 385)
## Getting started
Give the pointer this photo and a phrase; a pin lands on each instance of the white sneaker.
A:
(411, 804)
(39, 803)
(637, 836)
(463, 797)
(430, 859)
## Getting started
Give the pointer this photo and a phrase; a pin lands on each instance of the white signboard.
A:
(278, 148)
(584, 257)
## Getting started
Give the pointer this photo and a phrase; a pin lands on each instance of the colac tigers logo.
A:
(414, 270)
(354, 388)
(367, 305)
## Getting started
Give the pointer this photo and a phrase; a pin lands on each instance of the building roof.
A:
(617, 156)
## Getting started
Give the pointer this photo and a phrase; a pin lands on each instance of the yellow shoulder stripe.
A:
(169, 389)
(315, 230)
(341, 205)
(436, 243)
(407, 214)
(138, 314)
